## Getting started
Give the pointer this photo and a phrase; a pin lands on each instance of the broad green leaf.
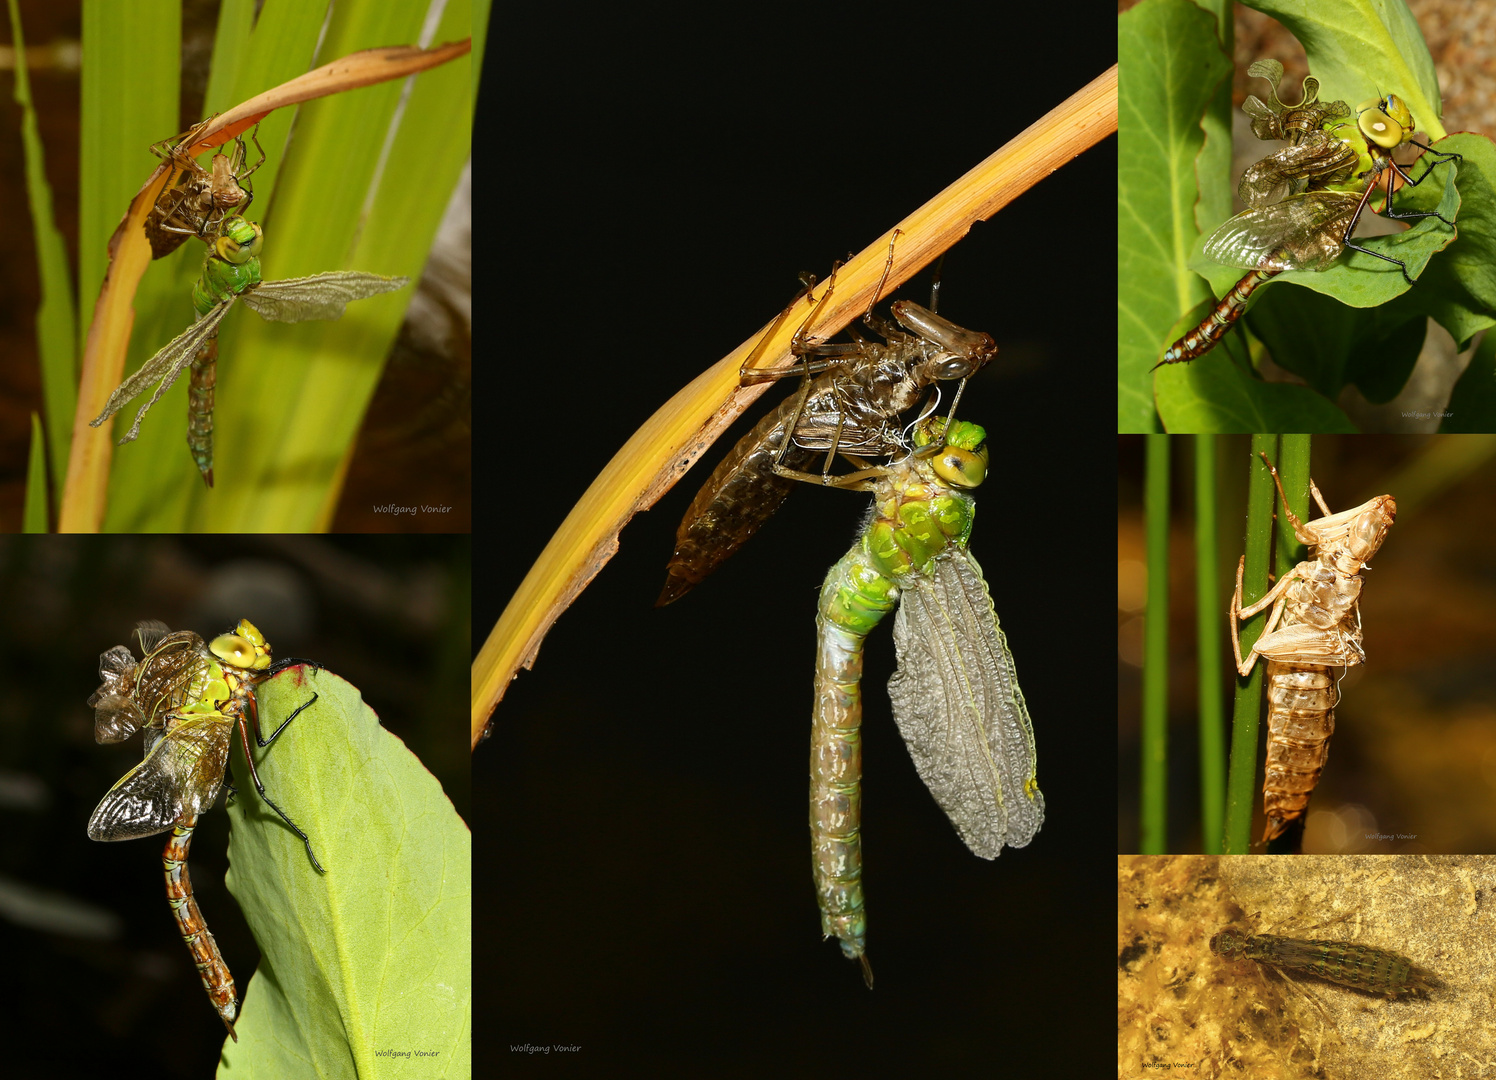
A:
(1170, 67)
(374, 954)
(1360, 49)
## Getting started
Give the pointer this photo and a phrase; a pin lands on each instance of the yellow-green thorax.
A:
(226, 677)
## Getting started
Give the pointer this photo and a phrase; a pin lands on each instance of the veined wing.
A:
(1303, 232)
(957, 702)
(117, 716)
(171, 675)
(180, 775)
(167, 365)
(1319, 157)
(321, 296)
(132, 694)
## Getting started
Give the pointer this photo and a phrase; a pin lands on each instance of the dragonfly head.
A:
(238, 240)
(245, 648)
(1385, 121)
(1228, 942)
(962, 461)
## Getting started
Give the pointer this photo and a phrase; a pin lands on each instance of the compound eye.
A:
(961, 468)
(233, 650)
(1386, 122)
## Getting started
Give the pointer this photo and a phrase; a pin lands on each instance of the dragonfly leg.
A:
(253, 708)
(1408, 181)
(1351, 227)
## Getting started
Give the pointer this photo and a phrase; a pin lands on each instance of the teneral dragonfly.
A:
(955, 694)
(186, 696)
(1304, 201)
(231, 273)
(849, 403)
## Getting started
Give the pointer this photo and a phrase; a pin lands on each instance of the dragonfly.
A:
(200, 200)
(1305, 200)
(231, 273)
(186, 696)
(955, 692)
(850, 399)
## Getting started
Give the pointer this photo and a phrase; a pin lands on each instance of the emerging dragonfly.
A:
(852, 407)
(1305, 200)
(186, 696)
(955, 694)
(200, 200)
(231, 273)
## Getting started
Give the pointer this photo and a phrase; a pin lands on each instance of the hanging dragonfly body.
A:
(1315, 625)
(201, 199)
(231, 273)
(851, 407)
(1304, 201)
(955, 694)
(186, 696)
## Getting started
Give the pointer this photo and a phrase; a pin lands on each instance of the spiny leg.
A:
(253, 708)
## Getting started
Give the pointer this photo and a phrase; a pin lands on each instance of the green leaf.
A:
(374, 954)
(1360, 49)
(1215, 394)
(1170, 66)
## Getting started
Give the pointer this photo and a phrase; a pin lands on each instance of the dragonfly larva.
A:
(1315, 625)
(1362, 967)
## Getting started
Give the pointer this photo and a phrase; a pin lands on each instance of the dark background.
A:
(96, 979)
(643, 888)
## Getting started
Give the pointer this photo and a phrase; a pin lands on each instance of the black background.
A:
(642, 864)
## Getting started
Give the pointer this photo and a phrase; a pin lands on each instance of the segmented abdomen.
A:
(853, 599)
(1300, 719)
(210, 964)
(1222, 317)
(200, 407)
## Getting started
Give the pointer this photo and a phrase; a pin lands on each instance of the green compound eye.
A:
(1387, 122)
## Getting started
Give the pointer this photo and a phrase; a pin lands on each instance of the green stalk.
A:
(1155, 731)
(1241, 782)
(1208, 647)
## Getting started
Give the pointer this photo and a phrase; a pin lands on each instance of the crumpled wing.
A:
(321, 296)
(957, 702)
(116, 714)
(181, 774)
(1318, 160)
(167, 365)
(1303, 232)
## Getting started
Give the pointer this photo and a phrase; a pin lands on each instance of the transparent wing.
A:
(957, 702)
(150, 632)
(116, 715)
(167, 365)
(171, 675)
(321, 296)
(1320, 156)
(181, 774)
(1303, 232)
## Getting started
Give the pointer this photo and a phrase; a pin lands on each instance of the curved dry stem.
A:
(668, 444)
